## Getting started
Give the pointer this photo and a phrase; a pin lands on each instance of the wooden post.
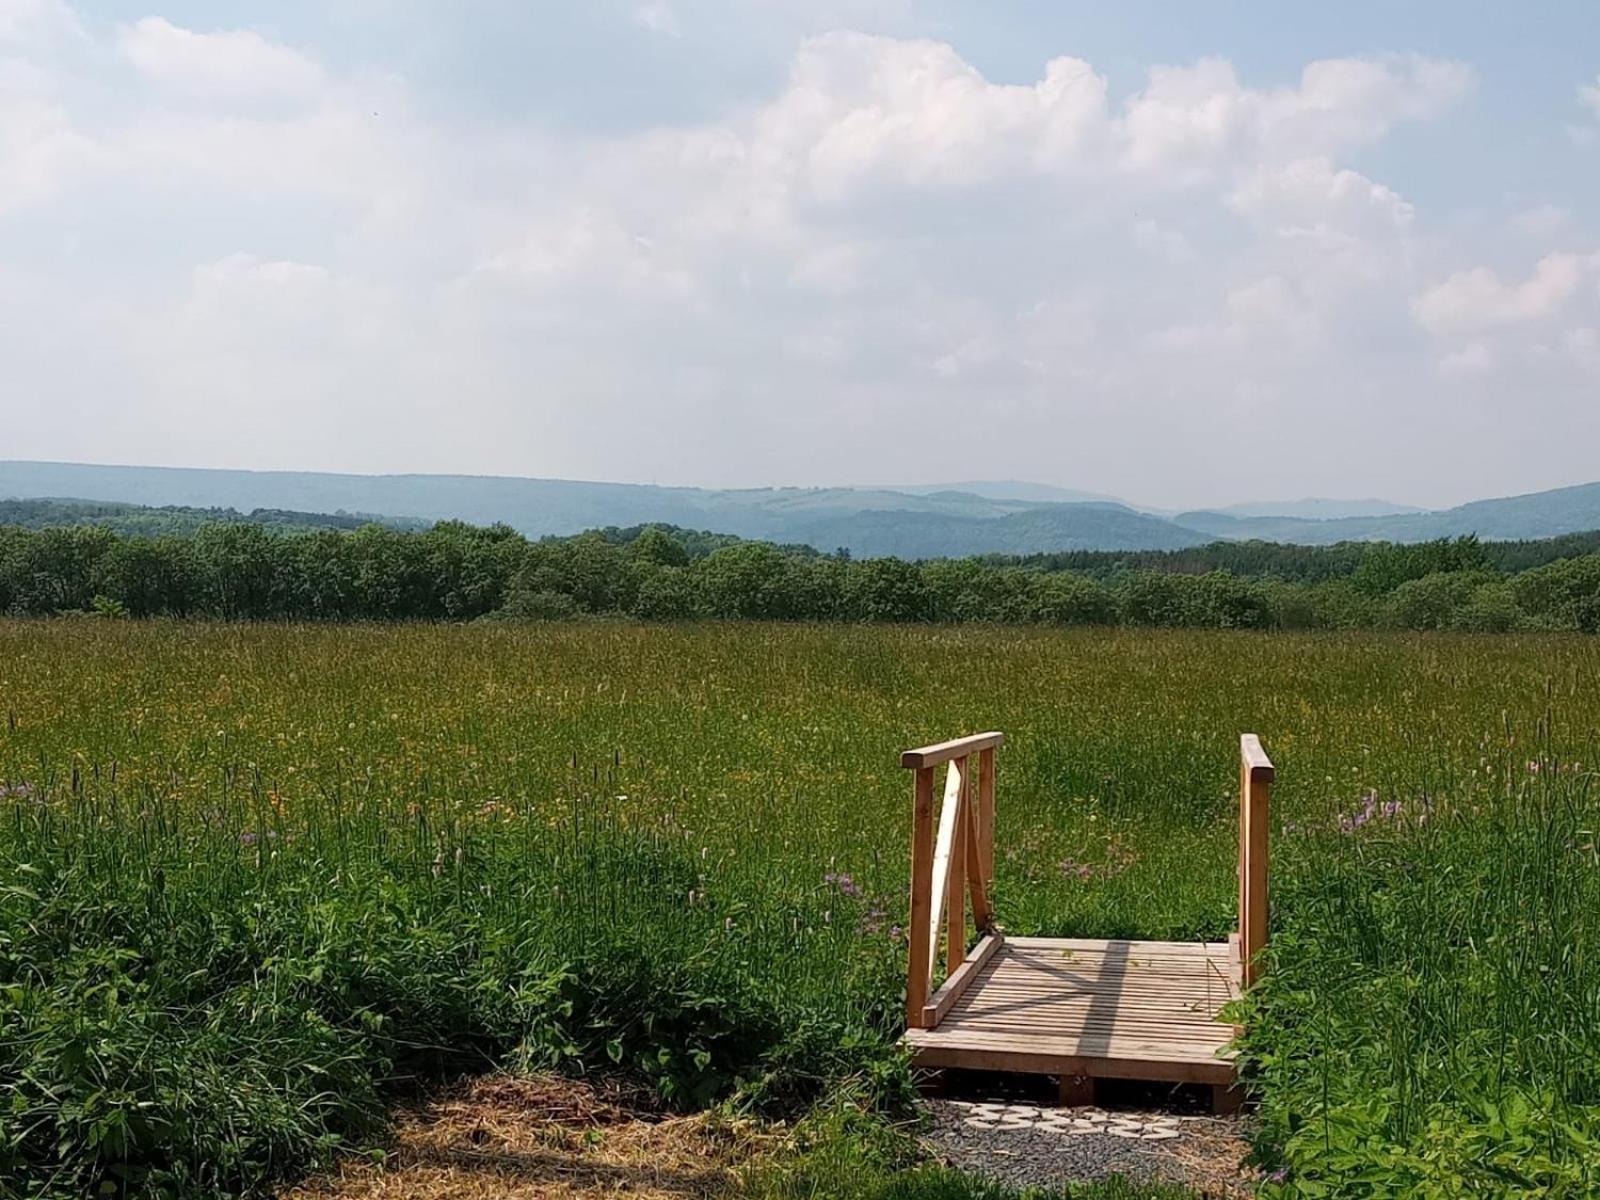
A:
(1074, 1091)
(1255, 785)
(986, 821)
(977, 882)
(917, 930)
(955, 901)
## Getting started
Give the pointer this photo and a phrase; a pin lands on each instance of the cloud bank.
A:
(218, 248)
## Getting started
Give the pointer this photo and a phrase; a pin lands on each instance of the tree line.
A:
(459, 572)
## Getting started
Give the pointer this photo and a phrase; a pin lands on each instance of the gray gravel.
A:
(1041, 1146)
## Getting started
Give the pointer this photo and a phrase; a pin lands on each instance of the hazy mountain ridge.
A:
(928, 521)
(1319, 508)
(1533, 515)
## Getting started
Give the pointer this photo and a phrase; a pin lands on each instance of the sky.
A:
(1186, 254)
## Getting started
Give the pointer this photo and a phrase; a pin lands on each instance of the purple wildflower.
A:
(247, 838)
(846, 885)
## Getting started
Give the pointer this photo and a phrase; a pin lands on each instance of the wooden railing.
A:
(952, 859)
(948, 866)
(1255, 785)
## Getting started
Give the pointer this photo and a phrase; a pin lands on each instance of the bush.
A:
(1071, 600)
(1492, 608)
(666, 594)
(886, 589)
(1433, 601)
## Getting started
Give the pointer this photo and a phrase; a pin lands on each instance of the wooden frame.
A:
(1078, 1009)
(946, 868)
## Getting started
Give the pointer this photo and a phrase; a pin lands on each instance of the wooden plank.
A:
(1152, 1029)
(1133, 1047)
(943, 752)
(986, 764)
(941, 859)
(1046, 1062)
(1051, 1050)
(960, 980)
(1065, 1014)
(920, 951)
(955, 901)
(1144, 948)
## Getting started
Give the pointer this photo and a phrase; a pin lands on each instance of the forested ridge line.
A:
(244, 570)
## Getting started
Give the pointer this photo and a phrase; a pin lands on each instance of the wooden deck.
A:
(1073, 1007)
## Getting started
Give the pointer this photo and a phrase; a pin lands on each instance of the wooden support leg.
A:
(1226, 1098)
(1076, 1090)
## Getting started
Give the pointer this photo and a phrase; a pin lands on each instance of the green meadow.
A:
(258, 881)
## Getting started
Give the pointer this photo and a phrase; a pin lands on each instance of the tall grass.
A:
(253, 879)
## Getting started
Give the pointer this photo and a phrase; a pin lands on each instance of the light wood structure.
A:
(1078, 1009)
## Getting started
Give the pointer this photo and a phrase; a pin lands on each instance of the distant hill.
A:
(921, 522)
(1536, 515)
(934, 522)
(939, 535)
(1013, 489)
(1319, 509)
(150, 521)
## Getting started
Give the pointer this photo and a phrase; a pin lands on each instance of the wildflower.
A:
(896, 933)
(846, 885)
(247, 838)
(1072, 868)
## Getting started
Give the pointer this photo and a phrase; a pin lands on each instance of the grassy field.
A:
(256, 879)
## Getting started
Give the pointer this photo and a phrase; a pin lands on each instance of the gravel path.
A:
(1026, 1144)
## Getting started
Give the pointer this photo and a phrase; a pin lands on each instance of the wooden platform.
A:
(1078, 1008)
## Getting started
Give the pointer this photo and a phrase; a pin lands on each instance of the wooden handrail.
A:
(1256, 774)
(947, 866)
(943, 752)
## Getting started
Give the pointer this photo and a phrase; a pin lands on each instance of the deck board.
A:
(1108, 1009)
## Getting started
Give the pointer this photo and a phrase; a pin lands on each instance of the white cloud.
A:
(1478, 299)
(1543, 221)
(658, 17)
(39, 151)
(888, 242)
(1590, 96)
(1472, 359)
(1584, 346)
(1310, 195)
(230, 64)
(25, 22)
(1193, 119)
